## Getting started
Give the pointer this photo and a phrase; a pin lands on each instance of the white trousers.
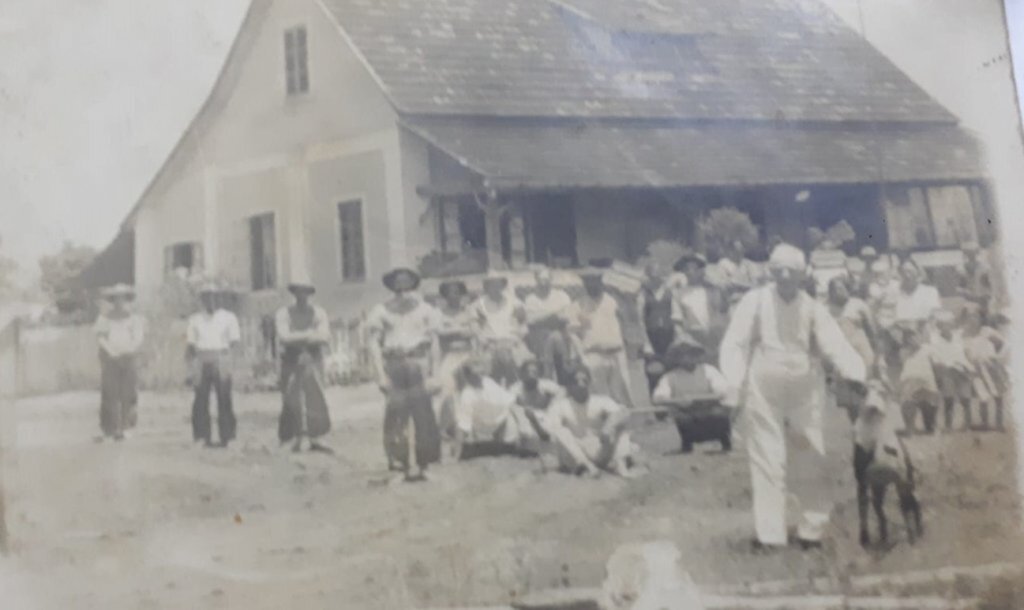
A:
(782, 425)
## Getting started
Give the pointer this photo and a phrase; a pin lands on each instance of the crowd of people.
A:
(546, 371)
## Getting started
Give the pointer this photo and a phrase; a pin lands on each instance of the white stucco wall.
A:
(261, 150)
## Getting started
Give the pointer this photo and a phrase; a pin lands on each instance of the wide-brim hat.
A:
(118, 290)
(391, 278)
(868, 252)
(684, 342)
(591, 273)
(457, 287)
(209, 287)
(690, 257)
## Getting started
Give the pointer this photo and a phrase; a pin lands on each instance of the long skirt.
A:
(304, 405)
(408, 401)
(119, 394)
(608, 373)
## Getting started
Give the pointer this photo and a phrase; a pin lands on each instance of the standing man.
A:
(499, 316)
(404, 348)
(976, 280)
(119, 333)
(703, 308)
(596, 322)
(213, 334)
(660, 317)
(304, 332)
(546, 320)
(915, 301)
(737, 272)
(772, 357)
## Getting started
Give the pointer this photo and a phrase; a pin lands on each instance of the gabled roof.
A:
(510, 154)
(680, 59)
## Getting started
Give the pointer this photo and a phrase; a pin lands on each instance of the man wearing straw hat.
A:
(772, 356)
(304, 332)
(404, 347)
(119, 332)
(212, 334)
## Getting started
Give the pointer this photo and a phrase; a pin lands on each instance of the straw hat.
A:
(691, 257)
(391, 278)
(682, 343)
(301, 283)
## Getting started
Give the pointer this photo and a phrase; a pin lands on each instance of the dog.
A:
(880, 459)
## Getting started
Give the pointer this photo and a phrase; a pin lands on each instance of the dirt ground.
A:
(156, 522)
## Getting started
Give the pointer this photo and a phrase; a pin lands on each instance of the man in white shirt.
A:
(546, 319)
(590, 431)
(915, 301)
(771, 356)
(212, 335)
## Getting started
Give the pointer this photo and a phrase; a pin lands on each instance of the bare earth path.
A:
(156, 522)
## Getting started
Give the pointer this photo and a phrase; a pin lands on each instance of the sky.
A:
(94, 94)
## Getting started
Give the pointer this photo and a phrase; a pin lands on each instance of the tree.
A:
(60, 272)
(722, 227)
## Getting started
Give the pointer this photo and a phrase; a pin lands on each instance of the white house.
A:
(344, 137)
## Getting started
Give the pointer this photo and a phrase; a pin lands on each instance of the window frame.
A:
(276, 263)
(296, 79)
(339, 251)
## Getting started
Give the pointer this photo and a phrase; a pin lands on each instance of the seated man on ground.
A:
(590, 432)
(695, 392)
(533, 396)
(486, 415)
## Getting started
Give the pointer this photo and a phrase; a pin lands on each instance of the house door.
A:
(551, 231)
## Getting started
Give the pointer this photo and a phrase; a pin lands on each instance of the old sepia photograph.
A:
(510, 305)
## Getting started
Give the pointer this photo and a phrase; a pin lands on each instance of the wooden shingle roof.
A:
(511, 154)
(631, 59)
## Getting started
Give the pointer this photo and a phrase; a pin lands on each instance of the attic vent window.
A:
(296, 61)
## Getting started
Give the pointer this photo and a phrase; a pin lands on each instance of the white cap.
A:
(785, 256)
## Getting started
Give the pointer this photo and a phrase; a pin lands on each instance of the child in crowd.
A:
(983, 345)
(952, 369)
(918, 388)
(695, 391)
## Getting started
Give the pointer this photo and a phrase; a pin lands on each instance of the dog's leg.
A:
(862, 512)
(911, 511)
(861, 461)
(878, 500)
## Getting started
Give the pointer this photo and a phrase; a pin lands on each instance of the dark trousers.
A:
(928, 410)
(408, 401)
(118, 395)
(212, 378)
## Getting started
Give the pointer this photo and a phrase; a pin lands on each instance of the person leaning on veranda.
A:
(500, 320)
(661, 319)
(457, 342)
(590, 431)
(545, 313)
(304, 333)
(704, 310)
(120, 333)
(772, 356)
(213, 333)
(976, 279)
(404, 348)
(596, 324)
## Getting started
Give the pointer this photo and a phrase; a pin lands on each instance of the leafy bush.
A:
(721, 227)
